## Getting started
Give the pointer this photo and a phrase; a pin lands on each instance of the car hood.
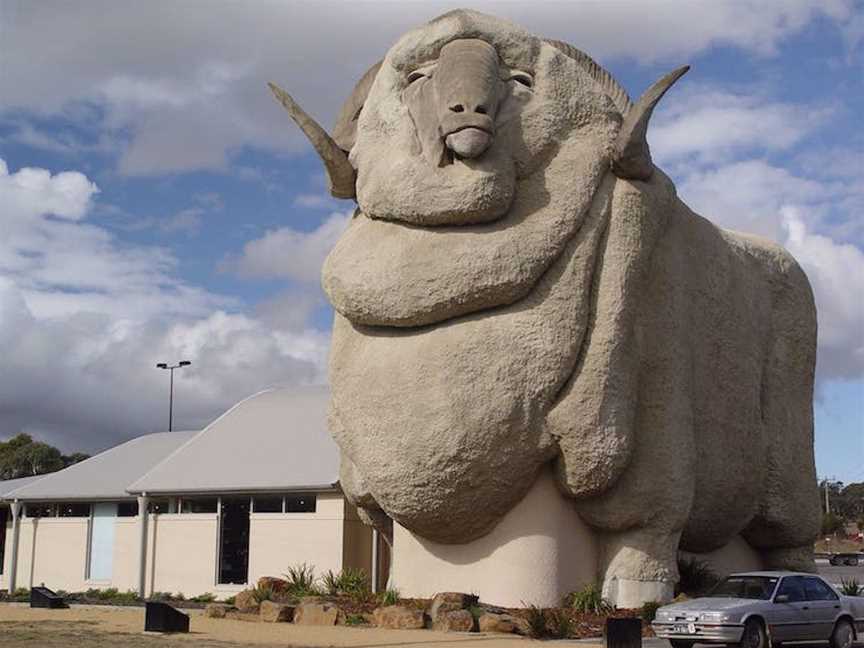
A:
(708, 603)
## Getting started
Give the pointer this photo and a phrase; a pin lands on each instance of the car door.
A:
(824, 605)
(788, 617)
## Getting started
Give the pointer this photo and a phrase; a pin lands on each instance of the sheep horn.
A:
(632, 158)
(340, 174)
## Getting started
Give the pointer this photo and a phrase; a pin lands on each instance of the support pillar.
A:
(375, 567)
(143, 517)
(16, 533)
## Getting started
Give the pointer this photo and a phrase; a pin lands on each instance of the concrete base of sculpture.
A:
(538, 553)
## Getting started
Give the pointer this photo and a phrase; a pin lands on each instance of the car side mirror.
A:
(781, 598)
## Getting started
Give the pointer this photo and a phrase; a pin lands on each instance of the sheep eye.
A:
(524, 78)
(415, 76)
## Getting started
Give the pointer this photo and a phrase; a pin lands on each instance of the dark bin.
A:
(42, 597)
(623, 633)
(161, 617)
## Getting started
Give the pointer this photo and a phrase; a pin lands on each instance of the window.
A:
(300, 503)
(817, 590)
(74, 509)
(793, 587)
(268, 505)
(202, 505)
(750, 587)
(158, 506)
(39, 510)
(127, 509)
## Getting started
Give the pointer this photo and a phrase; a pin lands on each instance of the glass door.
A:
(234, 541)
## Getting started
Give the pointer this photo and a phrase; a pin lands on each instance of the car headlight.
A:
(661, 615)
(715, 617)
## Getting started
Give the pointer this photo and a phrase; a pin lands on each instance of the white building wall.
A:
(281, 540)
(182, 549)
(182, 553)
(53, 552)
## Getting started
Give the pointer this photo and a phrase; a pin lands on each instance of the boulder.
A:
(500, 622)
(450, 602)
(245, 601)
(399, 617)
(318, 614)
(276, 585)
(217, 610)
(453, 621)
(273, 612)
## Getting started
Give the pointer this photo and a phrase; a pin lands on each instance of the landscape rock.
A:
(450, 602)
(399, 617)
(273, 612)
(318, 614)
(245, 601)
(276, 585)
(453, 621)
(505, 623)
(217, 610)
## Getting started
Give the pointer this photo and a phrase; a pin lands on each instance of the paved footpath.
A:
(112, 627)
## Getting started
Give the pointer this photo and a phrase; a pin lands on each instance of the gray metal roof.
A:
(10, 485)
(106, 475)
(276, 440)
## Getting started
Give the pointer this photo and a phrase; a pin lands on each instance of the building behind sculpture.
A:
(253, 493)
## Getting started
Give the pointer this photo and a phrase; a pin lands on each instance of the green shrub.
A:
(179, 597)
(330, 583)
(695, 577)
(161, 596)
(649, 611)
(301, 580)
(21, 594)
(204, 598)
(230, 600)
(390, 596)
(589, 600)
(263, 592)
(355, 619)
(851, 587)
(549, 624)
(354, 581)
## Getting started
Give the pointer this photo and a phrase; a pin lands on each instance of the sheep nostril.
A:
(480, 109)
(457, 108)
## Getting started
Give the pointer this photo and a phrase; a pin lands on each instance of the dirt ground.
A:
(103, 627)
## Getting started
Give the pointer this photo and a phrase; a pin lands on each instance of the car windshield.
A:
(746, 587)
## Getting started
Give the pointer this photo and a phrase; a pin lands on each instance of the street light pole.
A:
(171, 368)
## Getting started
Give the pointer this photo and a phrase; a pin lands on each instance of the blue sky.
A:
(157, 204)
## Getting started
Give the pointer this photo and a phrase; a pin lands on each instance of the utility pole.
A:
(165, 365)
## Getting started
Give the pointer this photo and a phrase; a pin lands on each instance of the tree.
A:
(21, 456)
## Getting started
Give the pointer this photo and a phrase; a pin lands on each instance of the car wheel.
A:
(835, 561)
(754, 635)
(852, 562)
(843, 635)
(681, 643)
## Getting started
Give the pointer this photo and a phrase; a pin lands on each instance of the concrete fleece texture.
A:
(101, 627)
(535, 293)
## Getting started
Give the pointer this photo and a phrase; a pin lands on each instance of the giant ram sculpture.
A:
(520, 286)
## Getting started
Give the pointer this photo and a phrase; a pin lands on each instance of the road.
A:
(835, 574)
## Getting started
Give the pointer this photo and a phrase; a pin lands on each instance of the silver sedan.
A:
(758, 609)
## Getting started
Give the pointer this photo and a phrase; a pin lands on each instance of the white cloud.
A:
(710, 126)
(84, 319)
(836, 272)
(286, 252)
(185, 87)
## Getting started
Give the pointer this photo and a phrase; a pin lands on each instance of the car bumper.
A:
(704, 632)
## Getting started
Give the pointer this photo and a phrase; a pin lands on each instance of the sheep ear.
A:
(341, 177)
(632, 158)
(345, 130)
